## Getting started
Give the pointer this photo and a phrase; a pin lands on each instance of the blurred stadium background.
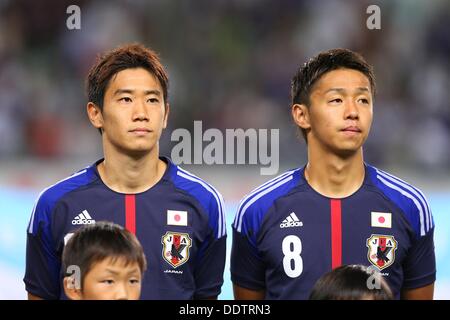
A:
(230, 63)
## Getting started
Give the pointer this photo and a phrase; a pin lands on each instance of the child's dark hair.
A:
(311, 71)
(351, 282)
(94, 243)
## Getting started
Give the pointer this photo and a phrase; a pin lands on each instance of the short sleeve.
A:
(247, 268)
(420, 265)
(211, 257)
(42, 266)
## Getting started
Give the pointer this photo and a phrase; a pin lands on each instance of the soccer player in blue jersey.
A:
(336, 209)
(177, 217)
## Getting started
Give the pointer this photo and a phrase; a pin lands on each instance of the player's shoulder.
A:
(194, 185)
(254, 205)
(410, 199)
(49, 197)
(65, 185)
(204, 193)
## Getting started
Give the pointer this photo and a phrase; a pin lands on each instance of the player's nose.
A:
(121, 292)
(351, 110)
(140, 111)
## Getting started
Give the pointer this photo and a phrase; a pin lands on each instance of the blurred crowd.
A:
(230, 64)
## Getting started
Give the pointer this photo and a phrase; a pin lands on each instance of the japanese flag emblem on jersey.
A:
(381, 219)
(177, 218)
(381, 250)
(176, 247)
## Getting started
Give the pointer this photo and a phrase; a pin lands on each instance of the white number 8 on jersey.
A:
(292, 261)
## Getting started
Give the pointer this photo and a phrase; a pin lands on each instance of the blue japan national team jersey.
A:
(286, 235)
(180, 223)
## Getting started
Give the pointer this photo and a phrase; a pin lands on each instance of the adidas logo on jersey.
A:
(291, 221)
(83, 218)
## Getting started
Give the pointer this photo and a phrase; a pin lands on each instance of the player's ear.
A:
(70, 288)
(95, 115)
(300, 114)
(166, 115)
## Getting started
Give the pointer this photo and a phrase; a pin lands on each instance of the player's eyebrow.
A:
(130, 91)
(342, 90)
(111, 271)
(135, 270)
(363, 89)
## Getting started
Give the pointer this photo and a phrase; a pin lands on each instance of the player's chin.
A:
(348, 148)
(140, 149)
(353, 142)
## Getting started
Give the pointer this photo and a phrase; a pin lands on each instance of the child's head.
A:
(103, 261)
(351, 282)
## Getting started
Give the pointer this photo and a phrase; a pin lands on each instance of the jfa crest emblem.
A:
(381, 251)
(176, 248)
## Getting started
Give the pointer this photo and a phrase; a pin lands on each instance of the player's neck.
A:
(334, 176)
(126, 174)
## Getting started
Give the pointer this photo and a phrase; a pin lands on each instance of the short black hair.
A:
(93, 243)
(350, 282)
(310, 72)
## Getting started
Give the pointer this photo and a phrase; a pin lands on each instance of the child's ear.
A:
(70, 288)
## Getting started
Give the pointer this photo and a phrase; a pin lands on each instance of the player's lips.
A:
(352, 129)
(140, 131)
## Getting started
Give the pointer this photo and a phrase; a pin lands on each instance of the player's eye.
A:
(125, 99)
(134, 281)
(364, 100)
(107, 281)
(153, 100)
(336, 100)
